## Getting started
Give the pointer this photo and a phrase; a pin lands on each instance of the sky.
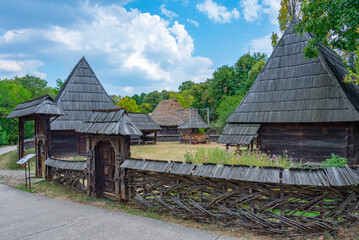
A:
(132, 46)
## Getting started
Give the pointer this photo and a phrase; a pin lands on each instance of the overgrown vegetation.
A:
(8, 160)
(254, 158)
(335, 161)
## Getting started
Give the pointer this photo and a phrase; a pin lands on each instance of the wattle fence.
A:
(265, 200)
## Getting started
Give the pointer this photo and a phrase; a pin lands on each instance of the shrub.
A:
(335, 161)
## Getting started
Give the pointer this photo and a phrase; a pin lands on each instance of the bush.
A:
(335, 161)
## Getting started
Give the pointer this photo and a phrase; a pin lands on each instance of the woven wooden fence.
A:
(70, 173)
(276, 201)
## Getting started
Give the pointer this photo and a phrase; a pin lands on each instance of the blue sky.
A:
(133, 46)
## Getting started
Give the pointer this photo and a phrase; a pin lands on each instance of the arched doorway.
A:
(105, 168)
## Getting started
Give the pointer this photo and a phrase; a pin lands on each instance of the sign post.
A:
(25, 160)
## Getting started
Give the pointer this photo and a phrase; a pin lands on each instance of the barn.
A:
(146, 125)
(299, 105)
(81, 93)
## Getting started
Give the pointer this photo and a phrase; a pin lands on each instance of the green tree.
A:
(226, 108)
(59, 84)
(185, 98)
(35, 85)
(153, 99)
(127, 103)
(186, 85)
(334, 23)
(11, 95)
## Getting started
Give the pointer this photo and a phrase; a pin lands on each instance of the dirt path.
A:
(15, 176)
(7, 149)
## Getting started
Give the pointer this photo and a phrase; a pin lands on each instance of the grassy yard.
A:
(173, 151)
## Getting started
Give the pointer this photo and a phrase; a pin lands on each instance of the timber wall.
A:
(311, 142)
(67, 144)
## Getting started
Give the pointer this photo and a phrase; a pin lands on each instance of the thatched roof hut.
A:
(299, 105)
(169, 114)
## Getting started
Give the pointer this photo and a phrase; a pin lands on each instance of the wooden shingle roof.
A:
(42, 105)
(109, 122)
(81, 93)
(144, 122)
(241, 134)
(194, 122)
(291, 88)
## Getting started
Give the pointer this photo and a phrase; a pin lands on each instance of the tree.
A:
(334, 23)
(11, 95)
(59, 84)
(226, 108)
(185, 98)
(127, 103)
(35, 85)
(153, 99)
(186, 85)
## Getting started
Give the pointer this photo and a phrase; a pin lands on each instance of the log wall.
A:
(311, 142)
(68, 143)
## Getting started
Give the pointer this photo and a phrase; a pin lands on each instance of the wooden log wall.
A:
(260, 207)
(68, 143)
(311, 142)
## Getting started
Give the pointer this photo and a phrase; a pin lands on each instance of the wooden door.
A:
(107, 158)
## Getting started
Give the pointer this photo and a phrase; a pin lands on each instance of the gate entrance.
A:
(105, 165)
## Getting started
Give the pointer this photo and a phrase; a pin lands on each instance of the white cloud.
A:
(133, 44)
(128, 90)
(252, 10)
(262, 44)
(194, 22)
(216, 12)
(167, 12)
(20, 68)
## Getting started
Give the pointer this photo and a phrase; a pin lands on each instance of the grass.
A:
(8, 160)
(250, 158)
(173, 151)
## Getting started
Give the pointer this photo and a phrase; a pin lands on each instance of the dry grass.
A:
(173, 151)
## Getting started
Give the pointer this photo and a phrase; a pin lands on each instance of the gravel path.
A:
(7, 149)
(15, 176)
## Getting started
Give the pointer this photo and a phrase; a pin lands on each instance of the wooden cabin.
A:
(108, 145)
(189, 131)
(299, 105)
(147, 126)
(169, 114)
(81, 93)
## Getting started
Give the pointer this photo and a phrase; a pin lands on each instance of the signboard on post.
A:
(25, 160)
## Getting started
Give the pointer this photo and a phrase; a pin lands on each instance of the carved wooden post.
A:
(21, 138)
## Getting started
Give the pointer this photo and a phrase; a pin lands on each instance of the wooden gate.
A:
(105, 169)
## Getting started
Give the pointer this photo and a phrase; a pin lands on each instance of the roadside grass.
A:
(8, 160)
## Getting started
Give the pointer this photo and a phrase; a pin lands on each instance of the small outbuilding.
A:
(298, 105)
(169, 114)
(148, 127)
(189, 131)
(40, 110)
(108, 135)
(81, 93)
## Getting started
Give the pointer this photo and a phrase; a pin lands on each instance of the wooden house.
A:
(299, 105)
(108, 145)
(81, 93)
(169, 114)
(146, 125)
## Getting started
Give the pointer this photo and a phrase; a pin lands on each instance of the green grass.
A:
(250, 158)
(8, 160)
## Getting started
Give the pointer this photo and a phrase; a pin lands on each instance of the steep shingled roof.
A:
(81, 93)
(42, 105)
(291, 88)
(144, 122)
(109, 122)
